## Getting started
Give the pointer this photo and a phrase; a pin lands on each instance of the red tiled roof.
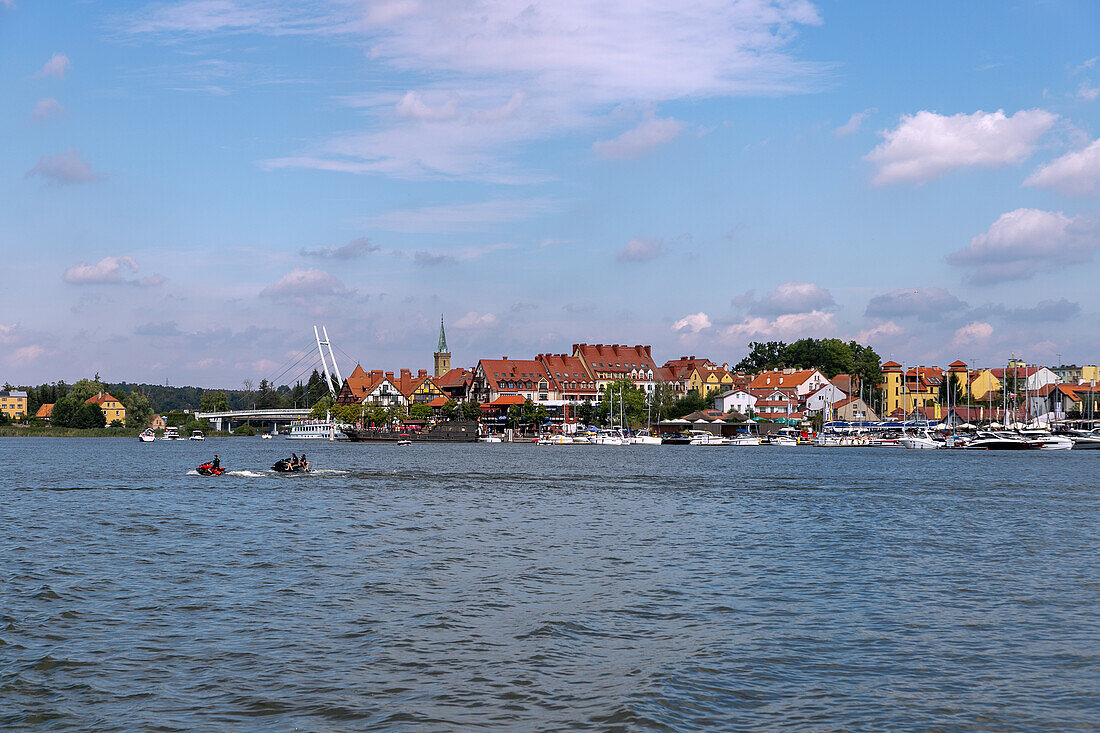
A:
(439, 402)
(513, 371)
(505, 401)
(455, 378)
(45, 410)
(567, 372)
(100, 399)
(957, 365)
(615, 358)
(778, 379)
(891, 365)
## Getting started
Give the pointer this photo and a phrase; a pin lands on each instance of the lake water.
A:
(457, 587)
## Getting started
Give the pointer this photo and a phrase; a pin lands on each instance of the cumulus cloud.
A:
(972, 334)
(299, 283)
(693, 323)
(1075, 174)
(63, 168)
(46, 108)
(109, 271)
(854, 123)
(790, 297)
(469, 217)
(57, 66)
(787, 326)
(640, 140)
(926, 304)
(641, 250)
(473, 319)
(927, 145)
(355, 248)
(1025, 242)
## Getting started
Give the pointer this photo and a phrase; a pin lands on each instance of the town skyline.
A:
(189, 186)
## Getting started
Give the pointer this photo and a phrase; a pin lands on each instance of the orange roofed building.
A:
(606, 363)
(111, 407)
(526, 378)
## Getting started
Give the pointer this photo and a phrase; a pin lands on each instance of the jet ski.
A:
(286, 466)
(207, 469)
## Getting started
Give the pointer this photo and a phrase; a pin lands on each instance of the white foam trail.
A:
(328, 470)
(246, 474)
(192, 472)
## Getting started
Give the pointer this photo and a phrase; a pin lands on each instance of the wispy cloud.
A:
(57, 66)
(639, 140)
(109, 271)
(64, 168)
(854, 123)
(46, 108)
(304, 283)
(641, 250)
(355, 248)
(1076, 173)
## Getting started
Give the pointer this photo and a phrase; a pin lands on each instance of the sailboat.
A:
(644, 436)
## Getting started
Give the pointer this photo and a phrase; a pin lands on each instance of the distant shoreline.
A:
(16, 431)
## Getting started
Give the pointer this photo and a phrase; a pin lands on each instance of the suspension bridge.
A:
(301, 365)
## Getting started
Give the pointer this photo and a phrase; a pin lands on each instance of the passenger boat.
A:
(147, 436)
(171, 433)
(315, 430)
(450, 431)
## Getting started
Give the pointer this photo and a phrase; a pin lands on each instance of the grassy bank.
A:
(49, 431)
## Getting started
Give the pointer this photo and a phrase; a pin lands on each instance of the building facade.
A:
(13, 403)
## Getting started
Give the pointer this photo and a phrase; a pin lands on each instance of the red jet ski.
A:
(207, 469)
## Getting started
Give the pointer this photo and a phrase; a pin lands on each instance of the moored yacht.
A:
(988, 440)
(704, 437)
(642, 437)
(921, 441)
(1043, 440)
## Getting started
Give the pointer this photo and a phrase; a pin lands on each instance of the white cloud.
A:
(787, 326)
(1087, 93)
(108, 271)
(1076, 173)
(694, 323)
(792, 297)
(299, 283)
(64, 168)
(7, 332)
(854, 123)
(472, 217)
(972, 334)
(1025, 242)
(928, 145)
(475, 320)
(887, 329)
(412, 106)
(640, 140)
(505, 74)
(57, 66)
(641, 250)
(46, 108)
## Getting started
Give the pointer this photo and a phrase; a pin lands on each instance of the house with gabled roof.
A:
(802, 381)
(606, 363)
(455, 384)
(371, 388)
(569, 377)
(112, 408)
(527, 378)
(419, 389)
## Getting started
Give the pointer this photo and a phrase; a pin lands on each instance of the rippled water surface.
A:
(448, 587)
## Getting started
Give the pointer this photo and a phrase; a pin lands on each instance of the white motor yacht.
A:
(704, 437)
(147, 436)
(642, 437)
(988, 440)
(197, 435)
(1045, 441)
(609, 437)
(920, 441)
(171, 433)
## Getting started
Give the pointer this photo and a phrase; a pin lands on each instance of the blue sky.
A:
(187, 187)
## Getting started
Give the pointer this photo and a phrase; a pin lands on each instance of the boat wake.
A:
(332, 471)
(246, 474)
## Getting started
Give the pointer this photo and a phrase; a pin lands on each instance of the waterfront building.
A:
(111, 407)
(568, 377)
(374, 388)
(158, 422)
(1026, 377)
(45, 411)
(740, 400)
(905, 392)
(853, 409)
(1054, 401)
(701, 375)
(1077, 374)
(606, 363)
(823, 399)
(455, 384)
(983, 384)
(13, 403)
(442, 355)
(802, 381)
(418, 390)
(503, 377)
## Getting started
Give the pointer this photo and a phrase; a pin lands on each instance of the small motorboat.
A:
(404, 441)
(147, 436)
(288, 466)
(207, 469)
(197, 435)
(265, 436)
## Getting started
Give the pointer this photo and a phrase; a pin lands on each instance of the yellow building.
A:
(13, 404)
(706, 380)
(983, 384)
(111, 407)
(912, 389)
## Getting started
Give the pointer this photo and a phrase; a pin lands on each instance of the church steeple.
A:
(442, 353)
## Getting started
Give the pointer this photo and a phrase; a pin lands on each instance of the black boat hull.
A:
(454, 431)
